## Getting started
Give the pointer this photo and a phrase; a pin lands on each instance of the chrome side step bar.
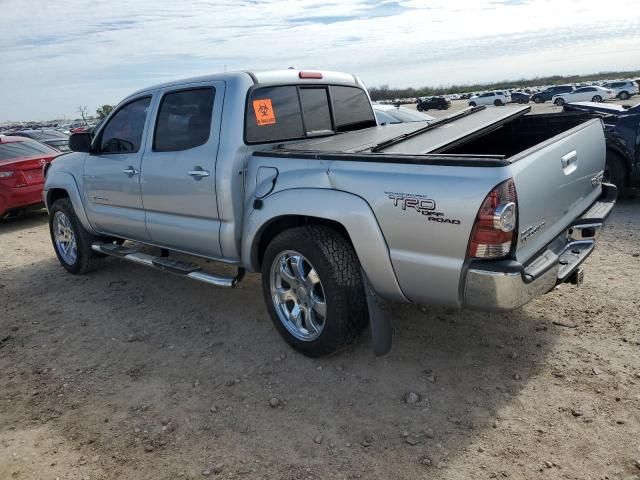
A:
(177, 267)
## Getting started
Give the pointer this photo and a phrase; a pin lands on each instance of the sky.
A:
(57, 56)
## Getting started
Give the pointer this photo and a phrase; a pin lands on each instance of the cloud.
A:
(55, 59)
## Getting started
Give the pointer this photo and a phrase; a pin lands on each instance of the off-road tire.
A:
(87, 259)
(337, 265)
(616, 173)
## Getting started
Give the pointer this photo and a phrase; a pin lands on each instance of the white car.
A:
(623, 89)
(583, 94)
(490, 98)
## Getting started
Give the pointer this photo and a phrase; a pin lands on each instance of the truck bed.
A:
(556, 166)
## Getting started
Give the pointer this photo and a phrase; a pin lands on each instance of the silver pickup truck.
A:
(287, 173)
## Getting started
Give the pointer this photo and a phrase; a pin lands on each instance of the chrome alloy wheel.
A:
(298, 295)
(65, 238)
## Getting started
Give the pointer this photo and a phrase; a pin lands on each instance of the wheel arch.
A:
(63, 185)
(345, 213)
(615, 151)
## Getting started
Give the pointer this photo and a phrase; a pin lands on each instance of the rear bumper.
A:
(19, 198)
(506, 284)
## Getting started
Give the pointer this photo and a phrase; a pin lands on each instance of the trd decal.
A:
(421, 204)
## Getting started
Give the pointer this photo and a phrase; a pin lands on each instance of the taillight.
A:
(494, 230)
(13, 178)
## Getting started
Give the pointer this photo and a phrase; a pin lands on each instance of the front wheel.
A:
(559, 102)
(313, 289)
(71, 242)
(472, 104)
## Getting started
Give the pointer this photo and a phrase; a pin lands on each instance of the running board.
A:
(178, 267)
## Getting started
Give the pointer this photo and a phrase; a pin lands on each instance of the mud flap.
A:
(381, 332)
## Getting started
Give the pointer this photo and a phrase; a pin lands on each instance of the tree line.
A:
(384, 92)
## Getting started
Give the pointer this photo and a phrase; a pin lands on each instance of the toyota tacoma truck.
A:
(287, 173)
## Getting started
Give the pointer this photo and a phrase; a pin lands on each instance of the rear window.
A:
(25, 148)
(291, 112)
(352, 109)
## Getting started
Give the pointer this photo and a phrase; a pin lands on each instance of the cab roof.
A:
(259, 77)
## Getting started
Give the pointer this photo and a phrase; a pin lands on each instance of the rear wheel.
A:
(614, 172)
(559, 101)
(71, 242)
(313, 289)
(537, 100)
(497, 102)
(440, 107)
(596, 98)
(623, 95)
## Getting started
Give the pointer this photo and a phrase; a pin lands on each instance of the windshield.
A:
(25, 148)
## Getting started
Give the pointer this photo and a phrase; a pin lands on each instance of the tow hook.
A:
(577, 277)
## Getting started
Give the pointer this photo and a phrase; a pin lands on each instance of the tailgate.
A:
(556, 181)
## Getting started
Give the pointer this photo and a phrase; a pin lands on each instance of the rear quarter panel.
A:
(428, 256)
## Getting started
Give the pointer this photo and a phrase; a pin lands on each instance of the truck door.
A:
(178, 169)
(112, 172)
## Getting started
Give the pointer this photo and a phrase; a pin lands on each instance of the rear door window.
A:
(184, 120)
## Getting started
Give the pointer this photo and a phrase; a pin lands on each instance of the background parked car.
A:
(548, 94)
(21, 179)
(520, 97)
(437, 103)
(53, 138)
(623, 89)
(583, 94)
(489, 98)
(388, 114)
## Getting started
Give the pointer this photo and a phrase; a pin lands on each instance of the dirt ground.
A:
(129, 373)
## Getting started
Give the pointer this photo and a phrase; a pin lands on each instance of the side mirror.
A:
(80, 142)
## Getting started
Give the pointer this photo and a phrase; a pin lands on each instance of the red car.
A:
(21, 180)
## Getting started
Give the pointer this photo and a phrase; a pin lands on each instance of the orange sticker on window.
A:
(264, 112)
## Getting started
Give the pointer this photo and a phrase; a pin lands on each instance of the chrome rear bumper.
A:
(507, 284)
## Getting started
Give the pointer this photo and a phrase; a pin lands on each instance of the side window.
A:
(315, 107)
(351, 108)
(184, 120)
(123, 133)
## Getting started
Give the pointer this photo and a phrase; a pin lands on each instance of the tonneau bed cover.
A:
(415, 138)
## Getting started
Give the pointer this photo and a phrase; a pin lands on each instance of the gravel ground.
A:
(129, 373)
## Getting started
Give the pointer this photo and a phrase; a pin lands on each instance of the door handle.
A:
(569, 162)
(197, 173)
(131, 171)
